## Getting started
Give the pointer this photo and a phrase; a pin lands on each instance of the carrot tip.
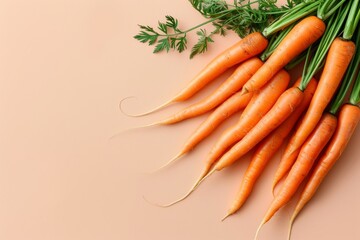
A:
(174, 159)
(258, 230)
(197, 183)
(226, 216)
(290, 226)
(145, 113)
(152, 203)
(134, 128)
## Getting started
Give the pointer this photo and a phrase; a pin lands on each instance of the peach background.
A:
(64, 66)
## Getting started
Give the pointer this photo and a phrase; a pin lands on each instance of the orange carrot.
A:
(339, 57)
(299, 38)
(282, 109)
(233, 84)
(267, 148)
(259, 105)
(348, 119)
(307, 156)
(248, 47)
(232, 105)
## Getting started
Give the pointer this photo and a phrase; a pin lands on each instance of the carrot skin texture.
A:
(304, 162)
(339, 56)
(267, 149)
(348, 119)
(232, 105)
(261, 102)
(233, 84)
(299, 38)
(282, 109)
(248, 47)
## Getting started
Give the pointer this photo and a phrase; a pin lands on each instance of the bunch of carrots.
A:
(318, 116)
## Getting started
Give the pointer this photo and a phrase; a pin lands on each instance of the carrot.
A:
(282, 109)
(306, 32)
(232, 105)
(234, 83)
(307, 156)
(248, 47)
(339, 57)
(267, 148)
(259, 105)
(348, 119)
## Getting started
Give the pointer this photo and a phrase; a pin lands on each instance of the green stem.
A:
(352, 20)
(327, 8)
(355, 94)
(197, 26)
(299, 11)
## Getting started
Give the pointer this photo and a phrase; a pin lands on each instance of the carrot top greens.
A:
(242, 17)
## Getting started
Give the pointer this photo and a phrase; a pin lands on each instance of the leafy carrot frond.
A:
(242, 17)
(168, 36)
(202, 44)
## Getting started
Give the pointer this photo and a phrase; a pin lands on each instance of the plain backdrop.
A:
(64, 67)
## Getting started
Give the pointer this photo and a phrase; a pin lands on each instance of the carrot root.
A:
(134, 128)
(171, 161)
(145, 113)
(290, 227)
(203, 176)
(258, 229)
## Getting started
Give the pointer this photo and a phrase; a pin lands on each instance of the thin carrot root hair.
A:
(290, 227)
(134, 128)
(258, 229)
(171, 161)
(226, 216)
(202, 177)
(145, 113)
